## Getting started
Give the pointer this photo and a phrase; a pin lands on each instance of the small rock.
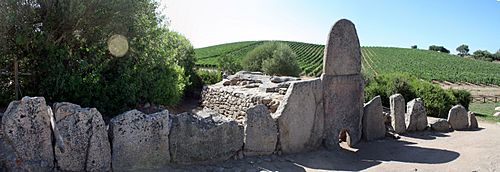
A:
(497, 109)
(226, 83)
(472, 120)
(497, 114)
(441, 125)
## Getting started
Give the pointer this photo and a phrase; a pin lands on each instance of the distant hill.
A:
(428, 65)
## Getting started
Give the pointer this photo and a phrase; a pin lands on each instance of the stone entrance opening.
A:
(345, 141)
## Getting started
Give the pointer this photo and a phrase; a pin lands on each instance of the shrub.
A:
(437, 100)
(253, 60)
(208, 77)
(414, 47)
(283, 62)
(228, 64)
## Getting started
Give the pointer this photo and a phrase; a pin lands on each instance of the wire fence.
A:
(486, 99)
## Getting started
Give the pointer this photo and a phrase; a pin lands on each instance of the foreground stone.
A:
(194, 139)
(27, 132)
(441, 125)
(261, 132)
(397, 103)
(496, 114)
(85, 145)
(140, 141)
(415, 117)
(497, 109)
(373, 120)
(343, 85)
(458, 118)
(472, 120)
(300, 117)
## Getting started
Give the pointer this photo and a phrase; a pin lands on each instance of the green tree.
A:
(253, 60)
(483, 55)
(414, 47)
(283, 62)
(64, 44)
(463, 50)
(228, 64)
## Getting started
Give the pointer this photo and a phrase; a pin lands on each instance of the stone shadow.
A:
(426, 135)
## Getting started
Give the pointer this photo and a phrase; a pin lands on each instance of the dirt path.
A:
(424, 151)
(475, 89)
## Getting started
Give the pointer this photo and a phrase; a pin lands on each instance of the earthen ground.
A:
(421, 151)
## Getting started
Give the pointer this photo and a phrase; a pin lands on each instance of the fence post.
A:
(484, 99)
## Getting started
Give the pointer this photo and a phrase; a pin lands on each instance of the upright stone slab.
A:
(261, 132)
(300, 117)
(397, 103)
(415, 117)
(472, 120)
(457, 117)
(342, 84)
(342, 51)
(27, 132)
(373, 120)
(140, 141)
(85, 144)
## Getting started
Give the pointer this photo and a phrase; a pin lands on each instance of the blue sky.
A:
(394, 23)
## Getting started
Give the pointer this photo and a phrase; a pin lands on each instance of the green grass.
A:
(485, 110)
(424, 64)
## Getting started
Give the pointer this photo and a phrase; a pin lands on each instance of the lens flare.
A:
(118, 45)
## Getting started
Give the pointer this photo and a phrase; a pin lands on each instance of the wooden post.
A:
(16, 77)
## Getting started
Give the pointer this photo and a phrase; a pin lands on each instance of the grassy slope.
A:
(485, 110)
(424, 64)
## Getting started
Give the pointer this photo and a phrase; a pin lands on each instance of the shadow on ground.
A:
(369, 154)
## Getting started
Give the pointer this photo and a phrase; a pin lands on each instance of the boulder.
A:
(140, 141)
(497, 109)
(415, 117)
(195, 140)
(300, 117)
(82, 140)
(440, 125)
(261, 132)
(281, 79)
(373, 120)
(458, 118)
(397, 103)
(472, 120)
(28, 136)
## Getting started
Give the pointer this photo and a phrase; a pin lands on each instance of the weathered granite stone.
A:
(373, 120)
(140, 141)
(300, 117)
(280, 79)
(204, 140)
(27, 131)
(343, 104)
(342, 51)
(85, 145)
(497, 109)
(441, 125)
(397, 103)
(261, 132)
(457, 117)
(472, 120)
(415, 117)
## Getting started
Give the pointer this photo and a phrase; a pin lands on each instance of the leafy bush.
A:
(253, 60)
(283, 62)
(437, 101)
(209, 77)
(439, 49)
(228, 64)
(414, 47)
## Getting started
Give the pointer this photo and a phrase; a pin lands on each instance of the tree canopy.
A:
(463, 50)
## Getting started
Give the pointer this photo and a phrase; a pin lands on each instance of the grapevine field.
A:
(428, 65)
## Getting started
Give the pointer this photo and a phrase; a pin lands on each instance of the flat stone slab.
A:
(85, 144)
(140, 141)
(300, 117)
(261, 132)
(472, 120)
(373, 120)
(195, 140)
